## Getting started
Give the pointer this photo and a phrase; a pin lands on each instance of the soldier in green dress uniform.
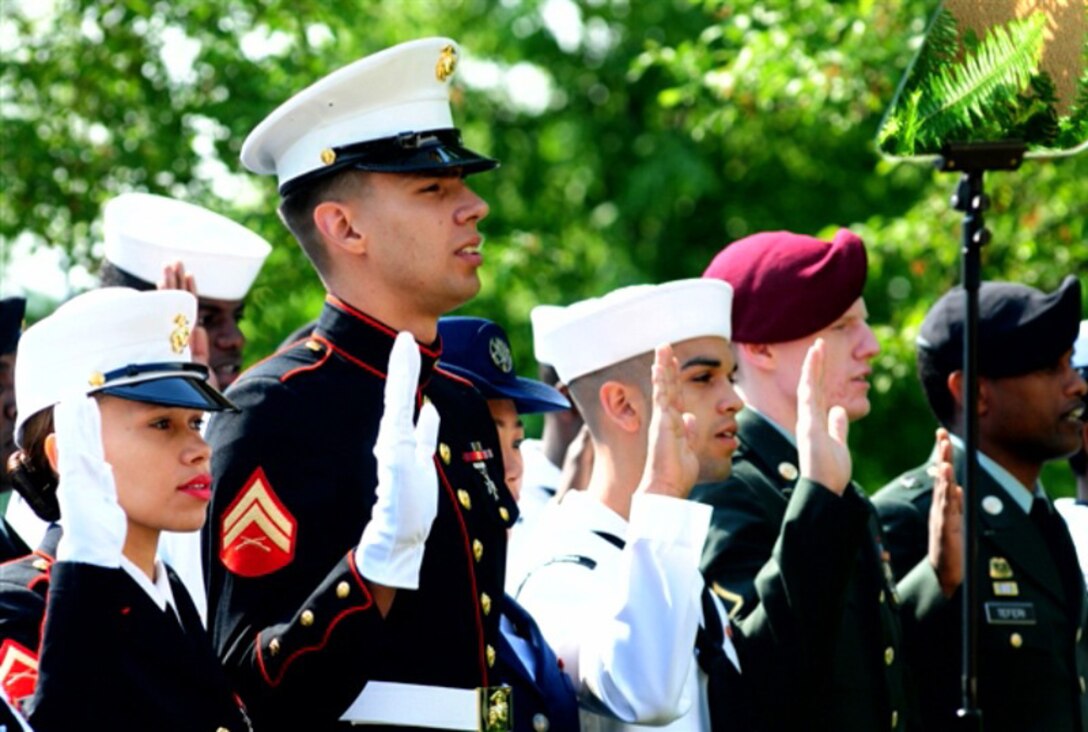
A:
(1032, 615)
(790, 290)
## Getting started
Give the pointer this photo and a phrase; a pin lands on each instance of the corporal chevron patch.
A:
(18, 671)
(257, 532)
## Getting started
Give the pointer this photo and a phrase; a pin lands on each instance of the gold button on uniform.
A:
(477, 549)
(889, 656)
(274, 646)
(1015, 640)
(463, 497)
(40, 564)
(1080, 634)
(895, 718)
(1083, 686)
(343, 589)
(444, 453)
(540, 723)
(881, 597)
(313, 345)
(504, 513)
(222, 729)
(485, 603)
(490, 655)
(307, 618)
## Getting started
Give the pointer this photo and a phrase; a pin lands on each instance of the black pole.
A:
(972, 160)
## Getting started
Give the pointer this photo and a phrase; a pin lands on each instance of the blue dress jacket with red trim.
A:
(24, 583)
(112, 659)
(295, 480)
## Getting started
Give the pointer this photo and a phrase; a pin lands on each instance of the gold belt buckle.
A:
(495, 705)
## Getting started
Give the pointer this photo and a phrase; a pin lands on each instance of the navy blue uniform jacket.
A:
(295, 478)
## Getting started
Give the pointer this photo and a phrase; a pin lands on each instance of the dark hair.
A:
(548, 374)
(31, 474)
(934, 378)
(297, 210)
(110, 275)
(584, 390)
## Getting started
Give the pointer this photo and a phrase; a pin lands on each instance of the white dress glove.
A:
(94, 522)
(391, 550)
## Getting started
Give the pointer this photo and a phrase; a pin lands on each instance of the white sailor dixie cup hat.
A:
(116, 341)
(387, 112)
(600, 332)
(145, 232)
(1080, 347)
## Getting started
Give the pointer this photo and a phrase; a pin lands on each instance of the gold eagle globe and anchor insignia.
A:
(500, 355)
(447, 63)
(179, 336)
(495, 705)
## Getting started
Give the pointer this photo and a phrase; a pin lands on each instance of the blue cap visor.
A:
(169, 384)
(529, 396)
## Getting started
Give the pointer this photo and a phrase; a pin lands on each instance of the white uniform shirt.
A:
(538, 486)
(1076, 518)
(623, 622)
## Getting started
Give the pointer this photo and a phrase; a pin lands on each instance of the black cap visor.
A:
(409, 152)
(168, 384)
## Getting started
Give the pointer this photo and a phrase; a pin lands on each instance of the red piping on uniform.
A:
(357, 362)
(328, 631)
(378, 325)
(38, 580)
(272, 355)
(310, 367)
(470, 560)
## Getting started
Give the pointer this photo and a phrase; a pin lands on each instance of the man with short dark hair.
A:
(354, 581)
(613, 579)
(145, 233)
(1032, 611)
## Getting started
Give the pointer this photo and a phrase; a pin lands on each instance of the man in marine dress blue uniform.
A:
(1032, 614)
(402, 625)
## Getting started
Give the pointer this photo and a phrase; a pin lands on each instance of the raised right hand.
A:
(821, 428)
(94, 522)
(672, 466)
(391, 549)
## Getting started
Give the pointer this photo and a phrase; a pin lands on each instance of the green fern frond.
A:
(942, 43)
(1003, 65)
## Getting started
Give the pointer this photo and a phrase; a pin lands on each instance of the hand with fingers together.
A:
(946, 547)
(672, 466)
(391, 549)
(94, 522)
(821, 427)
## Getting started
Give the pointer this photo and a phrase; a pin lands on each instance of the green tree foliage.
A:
(666, 130)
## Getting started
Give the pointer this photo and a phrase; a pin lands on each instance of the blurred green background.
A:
(636, 140)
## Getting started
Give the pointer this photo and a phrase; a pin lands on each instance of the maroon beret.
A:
(787, 286)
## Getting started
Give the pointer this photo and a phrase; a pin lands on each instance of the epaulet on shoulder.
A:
(318, 345)
(454, 377)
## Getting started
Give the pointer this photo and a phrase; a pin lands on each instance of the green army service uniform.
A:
(1033, 654)
(867, 687)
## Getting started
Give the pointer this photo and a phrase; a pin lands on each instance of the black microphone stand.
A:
(972, 160)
